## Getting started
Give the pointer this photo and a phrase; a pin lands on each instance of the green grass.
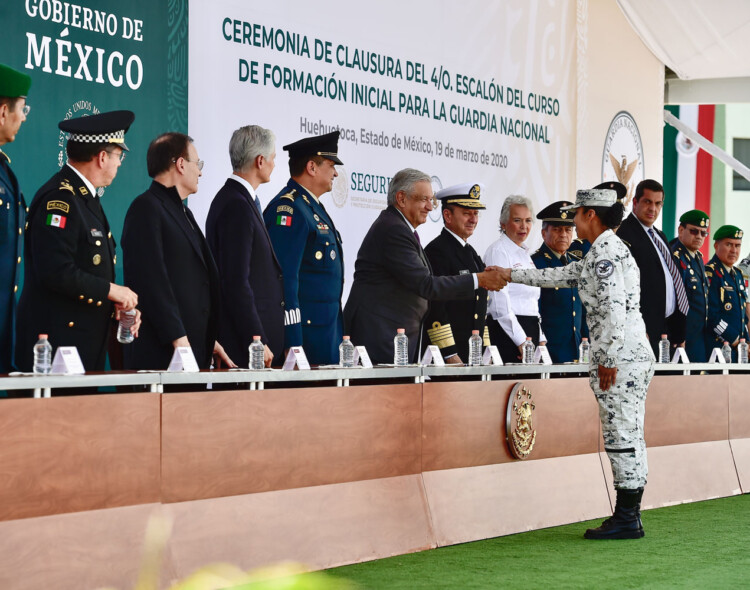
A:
(700, 545)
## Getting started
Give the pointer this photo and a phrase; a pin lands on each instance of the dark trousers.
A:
(508, 349)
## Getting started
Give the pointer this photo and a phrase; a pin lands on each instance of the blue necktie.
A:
(257, 204)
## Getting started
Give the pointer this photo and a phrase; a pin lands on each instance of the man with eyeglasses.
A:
(309, 249)
(664, 304)
(393, 279)
(14, 86)
(166, 259)
(69, 291)
(691, 234)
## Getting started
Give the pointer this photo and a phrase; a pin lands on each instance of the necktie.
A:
(679, 286)
(416, 235)
(257, 204)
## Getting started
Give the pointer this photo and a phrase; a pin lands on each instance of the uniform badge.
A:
(304, 197)
(59, 206)
(728, 306)
(318, 255)
(315, 217)
(66, 186)
(519, 422)
(285, 220)
(55, 220)
(83, 190)
(96, 233)
(289, 195)
(284, 209)
(464, 272)
(323, 228)
(604, 268)
(333, 254)
(97, 259)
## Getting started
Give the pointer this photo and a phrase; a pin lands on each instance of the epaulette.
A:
(290, 195)
(578, 254)
(66, 186)
(627, 244)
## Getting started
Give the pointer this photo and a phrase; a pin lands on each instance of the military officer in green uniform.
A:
(309, 250)
(69, 291)
(727, 293)
(14, 86)
(560, 309)
(691, 234)
(449, 323)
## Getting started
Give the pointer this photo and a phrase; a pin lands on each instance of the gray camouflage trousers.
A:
(621, 411)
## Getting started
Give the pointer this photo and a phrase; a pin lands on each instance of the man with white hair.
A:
(252, 287)
(393, 280)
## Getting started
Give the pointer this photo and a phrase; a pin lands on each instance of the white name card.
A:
(492, 356)
(361, 356)
(717, 357)
(296, 358)
(541, 355)
(680, 355)
(432, 356)
(183, 360)
(67, 361)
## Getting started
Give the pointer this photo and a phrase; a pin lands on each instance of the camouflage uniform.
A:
(608, 282)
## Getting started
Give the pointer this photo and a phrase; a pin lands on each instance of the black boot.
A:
(625, 523)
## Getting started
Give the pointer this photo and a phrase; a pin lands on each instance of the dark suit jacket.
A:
(252, 289)
(167, 262)
(393, 284)
(653, 283)
(448, 257)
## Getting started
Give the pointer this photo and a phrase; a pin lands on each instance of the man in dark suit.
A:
(14, 86)
(393, 280)
(252, 288)
(168, 262)
(309, 249)
(664, 305)
(69, 291)
(449, 323)
(561, 311)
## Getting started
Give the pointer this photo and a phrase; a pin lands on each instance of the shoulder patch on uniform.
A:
(58, 205)
(290, 195)
(604, 268)
(66, 186)
(285, 209)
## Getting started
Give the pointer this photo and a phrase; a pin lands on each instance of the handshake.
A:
(493, 278)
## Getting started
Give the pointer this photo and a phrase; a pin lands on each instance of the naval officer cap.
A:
(618, 187)
(464, 195)
(728, 231)
(13, 84)
(694, 217)
(593, 197)
(555, 215)
(107, 127)
(326, 146)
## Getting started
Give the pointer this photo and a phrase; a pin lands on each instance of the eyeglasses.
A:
(26, 110)
(198, 163)
(121, 155)
(698, 232)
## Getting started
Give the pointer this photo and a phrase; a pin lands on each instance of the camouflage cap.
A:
(593, 197)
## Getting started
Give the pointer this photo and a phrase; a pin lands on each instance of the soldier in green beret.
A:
(727, 294)
(14, 86)
(691, 234)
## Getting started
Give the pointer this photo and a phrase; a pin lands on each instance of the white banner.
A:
(471, 92)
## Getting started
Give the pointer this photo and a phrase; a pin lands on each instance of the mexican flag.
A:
(284, 220)
(691, 179)
(56, 220)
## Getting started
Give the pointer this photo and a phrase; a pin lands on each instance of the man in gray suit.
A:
(393, 280)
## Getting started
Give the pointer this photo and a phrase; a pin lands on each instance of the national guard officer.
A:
(727, 293)
(563, 317)
(309, 250)
(580, 247)
(450, 323)
(14, 86)
(691, 234)
(70, 253)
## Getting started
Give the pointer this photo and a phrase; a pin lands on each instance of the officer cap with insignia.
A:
(618, 187)
(13, 84)
(321, 145)
(554, 214)
(728, 231)
(694, 217)
(465, 195)
(107, 127)
(593, 197)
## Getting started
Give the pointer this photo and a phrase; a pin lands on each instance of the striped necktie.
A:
(679, 286)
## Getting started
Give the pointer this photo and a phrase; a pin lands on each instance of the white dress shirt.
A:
(246, 184)
(670, 299)
(514, 299)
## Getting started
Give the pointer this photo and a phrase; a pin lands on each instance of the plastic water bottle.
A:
(401, 348)
(346, 352)
(127, 319)
(257, 353)
(584, 352)
(664, 349)
(726, 352)
(42, 356)
(475, 349)
(742, 351)
(527, 357)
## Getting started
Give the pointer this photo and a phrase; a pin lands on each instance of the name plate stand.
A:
(296, 359)
(183, 360)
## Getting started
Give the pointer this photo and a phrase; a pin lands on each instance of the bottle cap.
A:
(742, 339)
(663, 336)
(256, 337)
(475, 332)
(401, 331)
(347, 338)
(45, 336)
(528, 338)
(585, 339)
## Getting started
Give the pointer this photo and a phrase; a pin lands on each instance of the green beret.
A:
(728, 231)
(695, 217)
(12, 83)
